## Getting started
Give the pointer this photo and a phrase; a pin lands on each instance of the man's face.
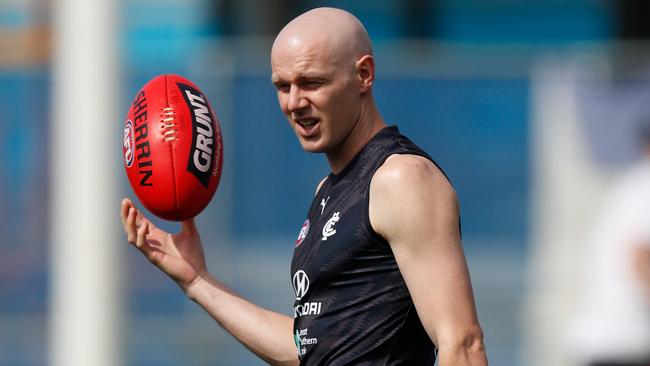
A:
(318, 93)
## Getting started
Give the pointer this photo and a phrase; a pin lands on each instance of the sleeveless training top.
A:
(352, 305)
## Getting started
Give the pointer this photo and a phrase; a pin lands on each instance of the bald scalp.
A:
(335, 32)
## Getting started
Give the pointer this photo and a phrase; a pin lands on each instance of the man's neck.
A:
(365, 129)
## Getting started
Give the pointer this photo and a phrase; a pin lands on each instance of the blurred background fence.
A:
(458, 76)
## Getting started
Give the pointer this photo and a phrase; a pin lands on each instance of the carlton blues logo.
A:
(200, 161)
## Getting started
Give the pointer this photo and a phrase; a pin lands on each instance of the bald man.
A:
(378, 269)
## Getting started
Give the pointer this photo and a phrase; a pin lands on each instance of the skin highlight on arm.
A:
(414, 207)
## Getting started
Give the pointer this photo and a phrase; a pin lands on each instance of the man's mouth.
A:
(307, 122)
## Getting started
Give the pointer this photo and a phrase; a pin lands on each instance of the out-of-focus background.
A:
(531, 107)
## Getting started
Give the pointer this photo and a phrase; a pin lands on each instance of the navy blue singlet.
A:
(352, 306)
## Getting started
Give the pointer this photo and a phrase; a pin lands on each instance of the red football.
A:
(173, 149)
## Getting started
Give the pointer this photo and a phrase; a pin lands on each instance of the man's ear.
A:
(365, 67)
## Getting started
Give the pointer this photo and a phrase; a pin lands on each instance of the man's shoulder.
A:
(406, 193)
(400, 171)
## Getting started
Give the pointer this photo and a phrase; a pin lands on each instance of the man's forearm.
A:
(266, 333)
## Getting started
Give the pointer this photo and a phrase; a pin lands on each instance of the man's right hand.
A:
(267, 333)
(180, 256)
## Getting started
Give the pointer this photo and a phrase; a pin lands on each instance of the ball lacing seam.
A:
(168, 124)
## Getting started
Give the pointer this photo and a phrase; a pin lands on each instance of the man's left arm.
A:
(414, 207)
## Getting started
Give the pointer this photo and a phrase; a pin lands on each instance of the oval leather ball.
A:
(173, 148)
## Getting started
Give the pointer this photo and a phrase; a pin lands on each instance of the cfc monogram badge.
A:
(328, 229)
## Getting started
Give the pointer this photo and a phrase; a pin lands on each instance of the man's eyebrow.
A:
(302, 77)
(311, 76)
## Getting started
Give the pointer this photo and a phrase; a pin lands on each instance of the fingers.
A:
(149, 249)
(130, 227)
(131, 220)
(124, 211)
(138, 231)
(141, 239)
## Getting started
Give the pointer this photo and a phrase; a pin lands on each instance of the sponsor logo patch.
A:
(303, 340)
(141, 134)
(323, 203)
(303, 232)
(300, 284)
(203, 128)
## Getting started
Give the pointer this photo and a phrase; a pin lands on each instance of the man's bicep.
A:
(415, 208)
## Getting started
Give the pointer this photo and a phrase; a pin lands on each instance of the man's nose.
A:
(296, 99)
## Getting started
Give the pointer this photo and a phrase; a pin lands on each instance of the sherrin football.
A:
(173, 149)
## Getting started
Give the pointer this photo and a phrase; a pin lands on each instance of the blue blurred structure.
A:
(472, 119)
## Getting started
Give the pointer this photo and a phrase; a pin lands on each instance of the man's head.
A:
(323, 71)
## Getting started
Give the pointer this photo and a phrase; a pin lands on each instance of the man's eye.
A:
(313, 84)
(282, 87)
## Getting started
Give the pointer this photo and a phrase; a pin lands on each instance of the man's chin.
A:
(312, 146)
(311, 149)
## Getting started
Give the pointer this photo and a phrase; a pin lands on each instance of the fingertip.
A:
(127, 203)
(123, 213)
(125, 206)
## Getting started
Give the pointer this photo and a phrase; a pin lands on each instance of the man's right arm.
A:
(266, 333)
